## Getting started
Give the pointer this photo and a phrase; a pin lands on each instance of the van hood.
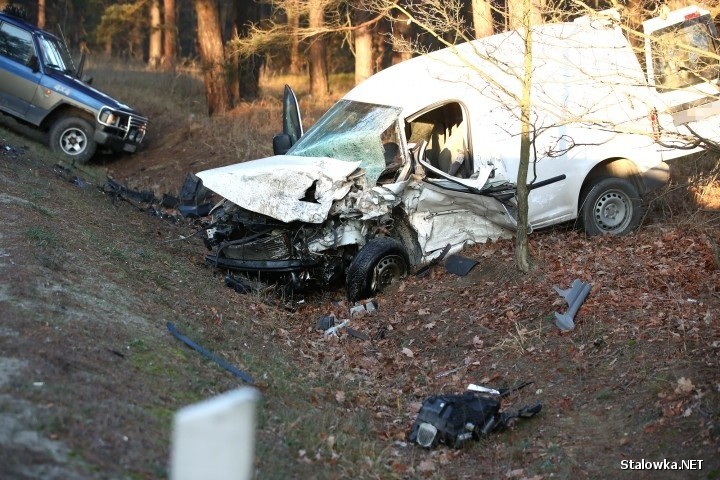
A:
(285, 187)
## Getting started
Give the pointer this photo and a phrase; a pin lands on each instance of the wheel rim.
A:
(613, 211)
(387, 270)
(73, 141)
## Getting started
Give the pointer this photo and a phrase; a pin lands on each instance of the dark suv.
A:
(40, 86)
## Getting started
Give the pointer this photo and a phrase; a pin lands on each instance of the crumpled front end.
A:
(246, 241)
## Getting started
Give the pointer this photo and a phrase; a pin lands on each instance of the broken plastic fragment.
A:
(333, 330)
(479, 388)
(209, 355)
(237, 284)
(357, 334)
(459, 265)
(325, 322)
(575, 296)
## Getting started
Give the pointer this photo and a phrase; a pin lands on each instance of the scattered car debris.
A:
(479, 388)
(575, 296)
(422, 271)
(329, 323)
(7, 150)
(454, 419)
(209, 355)
(460, 265)
(192, 195)
(118, 190)
(324, 322)
(357, 334)
(364, 308)
(333, 331)
(237, 284)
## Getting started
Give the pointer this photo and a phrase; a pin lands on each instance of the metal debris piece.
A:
(575, 296)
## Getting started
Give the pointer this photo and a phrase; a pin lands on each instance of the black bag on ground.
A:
(454, 419)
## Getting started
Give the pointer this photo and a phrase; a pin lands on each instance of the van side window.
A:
(16, 43)
(446, 133)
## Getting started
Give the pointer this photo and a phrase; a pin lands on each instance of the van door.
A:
(19, 74)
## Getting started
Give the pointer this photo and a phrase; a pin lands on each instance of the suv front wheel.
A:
(73, 138)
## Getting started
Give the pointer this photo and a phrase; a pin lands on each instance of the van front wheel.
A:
(73, 138)
(612, 206)
(382, 261)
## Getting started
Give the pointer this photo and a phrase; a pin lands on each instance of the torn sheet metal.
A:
(279, 186)
(377, 201)
(458, 218)
(331, 237)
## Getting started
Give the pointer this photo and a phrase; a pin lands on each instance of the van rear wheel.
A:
(73, 138)
(612, 206)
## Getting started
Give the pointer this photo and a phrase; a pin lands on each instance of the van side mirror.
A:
(281, 143)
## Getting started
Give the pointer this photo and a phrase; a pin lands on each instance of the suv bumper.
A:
(114, 142)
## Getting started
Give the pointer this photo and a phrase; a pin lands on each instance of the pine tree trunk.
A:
(155, 44)
(41, 14)
(317, 62)
(363, 48)
(212, 55)
(169, 56)
(293, 20)
(482, 18)
(403, 31)
(247, 83)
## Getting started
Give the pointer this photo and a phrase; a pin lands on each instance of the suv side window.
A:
(16, 43)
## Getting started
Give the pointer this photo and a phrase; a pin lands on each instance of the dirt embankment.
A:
(90, 378)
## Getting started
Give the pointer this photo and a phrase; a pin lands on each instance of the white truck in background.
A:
(682, 65)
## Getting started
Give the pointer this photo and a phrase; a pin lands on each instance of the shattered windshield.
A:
(54, 55)
(354, 131)
(684, 56)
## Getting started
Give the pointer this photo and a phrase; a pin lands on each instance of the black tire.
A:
(612, 206)
(408, 237)
(73, 138)
(379, 263)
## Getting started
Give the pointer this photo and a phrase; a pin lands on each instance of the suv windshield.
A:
(684, 55)
(54, 55)
(354, 131)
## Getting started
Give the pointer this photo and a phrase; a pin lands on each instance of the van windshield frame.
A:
(354, 132)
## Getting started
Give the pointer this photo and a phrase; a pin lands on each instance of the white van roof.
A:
(491, 64)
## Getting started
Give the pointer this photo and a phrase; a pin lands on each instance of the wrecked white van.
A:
(425, 154)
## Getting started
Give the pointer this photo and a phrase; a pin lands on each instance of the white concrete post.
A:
(215, 439)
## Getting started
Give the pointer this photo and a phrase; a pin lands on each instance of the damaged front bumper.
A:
(247, 242)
